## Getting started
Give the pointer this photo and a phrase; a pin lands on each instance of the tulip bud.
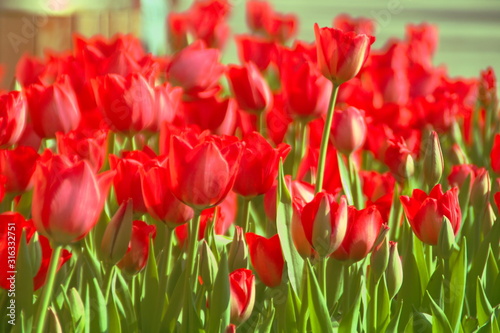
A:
(480, 191)
(433, 160)
(348, 130)
(238, 252)
(379, 260)
(137, 254)
(242, 287)
(446, 240)
(399, 160)
(457, 155)
(208, 265)
(394, 272)
(116, 238)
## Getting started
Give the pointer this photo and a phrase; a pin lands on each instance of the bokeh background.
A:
(469, 30)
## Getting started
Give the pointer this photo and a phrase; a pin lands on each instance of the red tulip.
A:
(18, 166)
(360, 25)
(53, 108)
(11, 227)
(398, 157)
(196, 69)
(167, 102)
(178, 25)
(260, 51)
(78, 146)
(459, 173)
(377, 185)
(281, 27)
(242, 287)
(250, 88)
(201, 174)
(208, 22)
(212, 113)
(277, 120)
(127, 103)
(258, 15)
(258, 166)
(495, 154)
(363, 227)
(12, 117)
(325, 223)
(426, 212)
(159, 201)
(266, 257)
(306, 92)
(341, 55)
(137, 254)
(348, 130)
(67, 199)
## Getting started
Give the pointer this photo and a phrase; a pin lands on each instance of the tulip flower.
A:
(167, 102)
(398, 157)
(134, 261)
(196, 69)
(258, 14)
(363, 227)
(202, 174)
(325, 223)
(376, 185)
(242, 288)
(12, 117)
(258, 166)
(348, 130)
(159, 201)
(127, 103)
(178, 25)
(341, 55)
(208, 22)
(426, 212)
(53, 108)
(260, 51)
(78, 146)
(250, 88)
(67, 199)
(266, 257)
(117, 235)
(18, 166)
(360, 25)
(495, 154)
(394, 272)
(212, 113)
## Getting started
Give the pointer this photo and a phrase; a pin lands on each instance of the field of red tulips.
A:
(317, 186)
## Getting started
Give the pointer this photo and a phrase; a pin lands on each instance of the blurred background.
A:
(469, 31)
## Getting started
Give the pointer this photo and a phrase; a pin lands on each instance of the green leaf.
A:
(434, 288)
(294, 261)
(149, 294)
(457, 286)
(53, 323)
(344, 178)
(383, 306)
(220, 310)
(124, 296)
(394, 323)
(24, 281)
(410, 290)
(483, 307)
(419, 322)
(490, 274)
(439, 322)
(113, 316)
(319, 317)
(76, 309)
(349, 321)
(97, 303)
(175, 307)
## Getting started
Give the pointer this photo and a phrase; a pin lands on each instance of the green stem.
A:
(109, 281)
(261, 120)
(194, 228)
(299, 137)
(246, 215)
(47, 291)
(372, 308)
(324, 139)
(321, 271)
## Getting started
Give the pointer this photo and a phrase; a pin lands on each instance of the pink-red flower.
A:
(266, 257)
(259, 165)
(426, 212)
(242, 288)
(67, 198)
(348, 130)
(136, 257)
(12, 117)
(202, 173)
(341, 55)
(78, 146)
(18, 166)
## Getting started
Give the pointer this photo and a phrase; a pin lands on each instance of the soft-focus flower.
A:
(202, 173)
(137, 254)
(398, 157)
(258, 166)
(208, 22)
(348, 130)
(266, 257)
(12, 117)
(363, 227)
(242, 288)
(212, 113)
(376, 185)
(78, 146)
(495, 154)
(325, 222)
(53, 108)
(360, 25)
(196, 69)
(159, 201)
(18, 166)
(250, 88)
(67, 199)
(260, 51)
(426, 212)
(127, 103)
(341, 55)
(178, 27)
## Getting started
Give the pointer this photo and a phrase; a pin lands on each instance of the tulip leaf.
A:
(418, 252)
(175, 307)
(113, 316)
(220, 308)
(491, 273)
(294, 261)
(349, 321)
(409, 290)
(483, 307)
(419, 322)
(383, 306)
(439, 322)
(53, 323)
(457, 286)
(394, 323)
(149, 294)
(125, 298)
(76, 309)
(344, 178)
(319, 317)
(95, 304)
(23, 279)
